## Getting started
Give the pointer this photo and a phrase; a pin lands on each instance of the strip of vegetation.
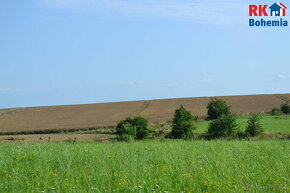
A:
(223, 124)
(284, 109)
(95, 130)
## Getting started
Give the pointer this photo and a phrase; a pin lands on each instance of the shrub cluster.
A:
(224, 126)
(132, 128)
(276, 112)
(284, 109)
(224, 122)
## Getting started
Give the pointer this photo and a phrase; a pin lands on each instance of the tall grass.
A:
(150, 166)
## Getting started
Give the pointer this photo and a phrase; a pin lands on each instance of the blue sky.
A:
(55, 52)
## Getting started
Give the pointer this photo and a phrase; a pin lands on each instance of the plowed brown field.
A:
(108, 114)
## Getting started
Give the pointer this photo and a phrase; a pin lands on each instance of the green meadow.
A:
(271, 124)
(147, 166)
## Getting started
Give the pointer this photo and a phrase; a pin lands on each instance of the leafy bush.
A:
(125, 127)
(133, 126)
(275, 112)
(224, 126)
(254, 126)
(195, 118)
(217, 108)
(142, 127)
(285, 108)
(126, 138)
(182, 124)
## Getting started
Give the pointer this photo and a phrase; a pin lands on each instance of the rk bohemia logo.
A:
(275, 10)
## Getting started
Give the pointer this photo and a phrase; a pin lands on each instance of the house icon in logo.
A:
(278, 9)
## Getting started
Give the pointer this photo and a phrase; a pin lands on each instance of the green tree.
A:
(224, 126)
(141, 125)
(183, 124)
(217, 108)
(254, 126)
(285, 108)
(125, 127)
(137, 127)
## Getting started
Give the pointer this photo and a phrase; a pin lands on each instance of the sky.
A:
(61, 52)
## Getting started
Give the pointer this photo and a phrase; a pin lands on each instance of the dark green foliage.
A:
(254, 126)
(224, 126)
(182, 124)
(126, 138)
(125, 127)
(217, 108)
(142, 127)
(195, 118)
(133, 126)
(275, 112)
(285, 108)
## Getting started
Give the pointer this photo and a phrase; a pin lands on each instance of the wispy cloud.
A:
(9, 90)
(280, 77)
(137, 82)
(206, 80)
(220, 12)
(191, 83)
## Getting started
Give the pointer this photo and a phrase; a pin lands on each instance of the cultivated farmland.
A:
(54, 118)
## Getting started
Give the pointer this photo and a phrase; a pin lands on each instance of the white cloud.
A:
(9, 90)
(206, 80)
(178, 84)
(191, 83)
(220, 12)
(279, 78)
(5, 89)
(282, 76)
(137, 82)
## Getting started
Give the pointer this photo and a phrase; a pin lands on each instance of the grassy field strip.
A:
(270, 123)
(149, 166)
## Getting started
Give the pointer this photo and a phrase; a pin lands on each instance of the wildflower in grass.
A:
(186, 175)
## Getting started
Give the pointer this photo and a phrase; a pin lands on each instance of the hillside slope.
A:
(108, 114)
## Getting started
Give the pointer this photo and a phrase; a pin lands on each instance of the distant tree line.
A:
(284, 109)
(223, 124)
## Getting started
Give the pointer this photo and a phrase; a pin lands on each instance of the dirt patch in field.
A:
(48, 138)
(54, 118)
